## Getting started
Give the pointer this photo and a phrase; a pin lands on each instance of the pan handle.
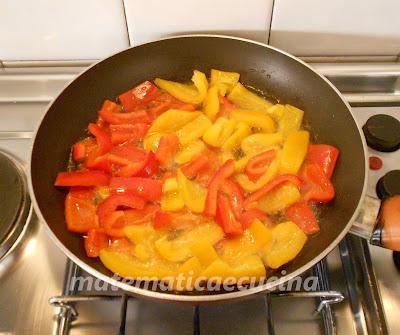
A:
(379, 221)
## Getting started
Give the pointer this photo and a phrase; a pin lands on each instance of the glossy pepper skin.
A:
(139, 95)
(323, 155)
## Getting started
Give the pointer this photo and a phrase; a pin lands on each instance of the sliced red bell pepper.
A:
(139, 116)
(80, 210)
(159, 105)
(82, 178)
(235, 194)
(167, 148)
(162, 220)
(96, 240)
(196, 165)
(121, 133)
(317, 186)
(302, 215)
(147, 167)
(78, 152)
(225, 216)
(130, 151)
(139, 95)
(111, 106)
(103, 139)
(226, 170)
(324, 155)
(257, 165)
(146, 188)
(270, 186)
(248, 216)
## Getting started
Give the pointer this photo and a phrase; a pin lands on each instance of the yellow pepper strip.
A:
(189, 151)
(171, 200)
(287, 241)
(257, 143)
(150, 142)
(251, 186)
(172, 120)
(241, 131)
(291, 120)
(249, 243)
(254, 118)
(187, 274)
(211, 102)
(241, 96)
(279, 198)
(130, 267)
(143, 237)
(193, 130)
(230, 79)
(204, 251)
(186, 93)
(294, 151)
(170, 185)
(179, 249)
(276, 111)
(219, 132)
(243, 269)
(225, 156)
(194, 195)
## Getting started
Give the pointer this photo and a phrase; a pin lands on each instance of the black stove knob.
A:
(396, 259)
(382, 132)
(388, 185)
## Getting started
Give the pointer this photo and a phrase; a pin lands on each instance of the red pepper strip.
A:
(324, 155)
(121, 133)
(184, 107)
(96, 240)
(130, 152)
(225, 107)
(225, 171)
(226, 217)
(302, 215)
(162, 220)
(139, 116)
(167, 148)
(145, 188)
(270, 186)
(110, 106)
(247, 217)
(235, 194)
(195, 166)
(258, 164)
(139, 95)
(317, 185)
(147, 167)
(112, 224)
(82, 178)
(78, 151)
(103, 139)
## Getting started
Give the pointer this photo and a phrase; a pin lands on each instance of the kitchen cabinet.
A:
(152, 19)
(60, 29)
(340, 27)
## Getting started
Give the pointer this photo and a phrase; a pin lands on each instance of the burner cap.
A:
(14, 202)
(382, 133)
(388, 185)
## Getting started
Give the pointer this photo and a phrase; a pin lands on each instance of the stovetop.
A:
(37, 271)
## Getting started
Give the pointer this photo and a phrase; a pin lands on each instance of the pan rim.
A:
(200, 298)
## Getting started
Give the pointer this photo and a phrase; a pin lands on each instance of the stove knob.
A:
(388, 185)
(382, 133)
(396, 259)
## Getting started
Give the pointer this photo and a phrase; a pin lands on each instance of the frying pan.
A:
(268, 69)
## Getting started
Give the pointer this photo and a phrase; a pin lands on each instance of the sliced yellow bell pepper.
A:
(187, 274)
(194, 195)
(172, 120)
(189, 151)
(171, 200)
(257, 143)
(251, 186)
(241, 96)
(294, 151)
(230, 79)
(279, 198)
(211, 102)
(180, 248)
(287, 241)
(192, 94)
(219, 132)
(193, 130)
(241, 131)
(170, 185)
(254, 118)
(225, 156)
(150, 142)
(204, 251)
(130, 267)
(290, 120)
(276, 111)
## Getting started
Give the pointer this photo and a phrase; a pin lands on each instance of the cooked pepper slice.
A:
(82, 178)
(139, 116)
(172, 120)
(235, 194)
(324, 155)
(317, 185)
(211, 102)
(147, 167)
(103, 139)
(162, 220)
(193, 194)
(145, 188)
(226, 216)
(248, 217)
(254, 118)
(258, 164)
(241, 96)
(190, 151)
(219, 131)
(270, 186)
(193, 130)
(302, 215)
(293, 152)
(78, 151)
(230, 79)
(167, 148)
(95, 241)
(139, 95)
(121, 133)
(192, 168)
(290, 120)
(226, 170)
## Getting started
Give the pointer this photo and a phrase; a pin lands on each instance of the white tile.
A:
(152, 19)
(340, 27)
(61, 29)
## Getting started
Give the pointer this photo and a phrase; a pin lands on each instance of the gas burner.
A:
(382, 133)
(15, 205)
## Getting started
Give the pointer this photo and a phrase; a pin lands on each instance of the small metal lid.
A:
(382, 133)
(14, 202)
